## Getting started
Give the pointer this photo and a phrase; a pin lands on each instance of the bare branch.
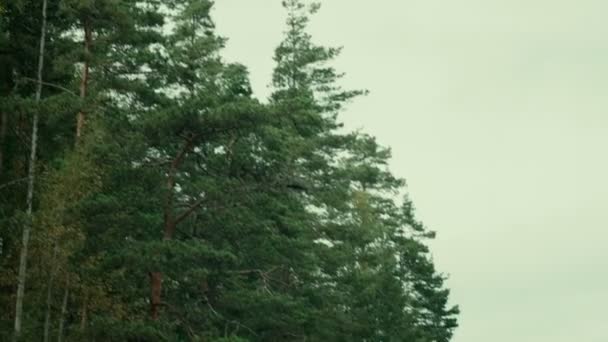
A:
(13, 182)
(52, 85)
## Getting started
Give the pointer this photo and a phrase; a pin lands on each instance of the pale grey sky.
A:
(496, 114)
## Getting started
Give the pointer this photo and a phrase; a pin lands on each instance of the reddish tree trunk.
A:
(156, 282)
(170, 224)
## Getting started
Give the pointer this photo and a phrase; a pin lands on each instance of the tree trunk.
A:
(3, 124)
(83, 313)
(84, 82)
(7, 72)
(64, 308)
(170, 224)
(49, 298)
(47, 318)
(30, 186)
(156, 282)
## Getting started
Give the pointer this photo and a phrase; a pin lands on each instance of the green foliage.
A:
(190, 210)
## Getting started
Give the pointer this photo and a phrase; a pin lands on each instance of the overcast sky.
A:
(496, 114)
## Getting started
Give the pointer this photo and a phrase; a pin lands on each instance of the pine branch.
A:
(189, 211)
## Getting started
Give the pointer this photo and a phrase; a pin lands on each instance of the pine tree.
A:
(359, 252)
(188, 209)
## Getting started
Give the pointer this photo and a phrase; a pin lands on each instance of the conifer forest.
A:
(146, 194)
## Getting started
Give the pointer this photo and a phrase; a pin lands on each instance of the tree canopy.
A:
(171, 204)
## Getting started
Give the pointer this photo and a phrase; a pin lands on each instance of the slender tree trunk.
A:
(84, 82)
(156, 282)
(83, 313)
(47, 318)
(49, 297)
(3, 124)
(30, 186)
(64, 309)
(6, 73)
(170, 224)
(156, 278)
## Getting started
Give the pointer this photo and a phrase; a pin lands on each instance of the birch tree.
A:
(21, 280)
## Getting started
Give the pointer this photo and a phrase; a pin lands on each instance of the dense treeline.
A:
(147, 195)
